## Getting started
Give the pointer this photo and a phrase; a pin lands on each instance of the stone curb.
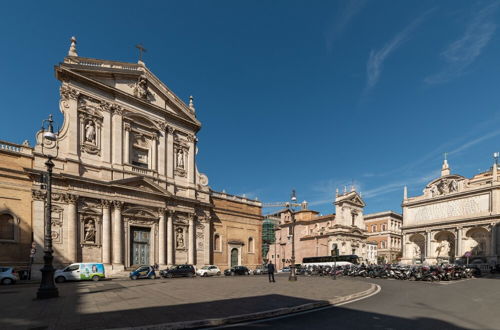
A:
(254, 316)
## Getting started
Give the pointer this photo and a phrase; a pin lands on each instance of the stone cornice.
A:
(466, 193)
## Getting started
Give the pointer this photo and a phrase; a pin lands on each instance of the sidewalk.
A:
(179, 302)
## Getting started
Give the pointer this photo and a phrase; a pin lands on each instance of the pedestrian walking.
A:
(270, 271)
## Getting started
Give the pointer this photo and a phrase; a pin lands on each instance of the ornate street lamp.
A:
(47, 287)
(293, 274)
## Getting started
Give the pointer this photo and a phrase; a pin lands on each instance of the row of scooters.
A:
(411, 273)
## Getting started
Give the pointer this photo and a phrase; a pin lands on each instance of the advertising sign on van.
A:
(89, 270)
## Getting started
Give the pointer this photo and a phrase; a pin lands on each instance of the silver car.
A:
(209, 270)
(8, 275)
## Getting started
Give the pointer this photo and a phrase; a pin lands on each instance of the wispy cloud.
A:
(474, 142)
(342, 20)
(398, 185)
(377, 57)
(462, 52)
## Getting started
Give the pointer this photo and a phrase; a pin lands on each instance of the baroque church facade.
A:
(316, 235)
(455, 219)
(126, 189)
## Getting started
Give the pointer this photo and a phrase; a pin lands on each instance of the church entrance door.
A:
(234, 257)
(140, 246)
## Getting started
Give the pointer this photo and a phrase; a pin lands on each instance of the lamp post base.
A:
(47, 293)
(293, 275)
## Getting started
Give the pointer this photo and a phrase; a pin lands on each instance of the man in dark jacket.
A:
(270, 271)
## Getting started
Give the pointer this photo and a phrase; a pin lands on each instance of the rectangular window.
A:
(140, 157)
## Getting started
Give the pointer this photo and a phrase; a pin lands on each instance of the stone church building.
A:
(126, 188)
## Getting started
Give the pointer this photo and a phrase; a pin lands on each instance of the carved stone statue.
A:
(443, 249)
(416, 251)
(89, 231)
(90, 132)
(453, 186)
(179, 238)
(142, 88)
(180, 158)
(434, 191)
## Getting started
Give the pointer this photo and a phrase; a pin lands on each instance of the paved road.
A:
(467, 304)
(125, 303)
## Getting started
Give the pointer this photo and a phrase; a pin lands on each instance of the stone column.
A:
(170, 157)
(170, 238)
(161, 152)
(72, 236)
(161, 237)
(106, 231)
(458, 249)
(428, 237)
(69, 101)
(154, 146)
(126, 145)
(493, 240)
(116, 133)
(38, 217)
(192, 160)
(191, 248)
(117, 235)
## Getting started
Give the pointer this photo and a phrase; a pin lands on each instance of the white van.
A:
(81, 271)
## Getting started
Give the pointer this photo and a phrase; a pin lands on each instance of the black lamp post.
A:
(293, 274)
(47, 287)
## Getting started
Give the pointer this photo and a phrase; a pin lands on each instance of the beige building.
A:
(455, 217)
(237, 231)
(384, 228)
(317, 235)
(15, 204)
(126, 188)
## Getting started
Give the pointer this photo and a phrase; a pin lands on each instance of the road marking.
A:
(298, 313)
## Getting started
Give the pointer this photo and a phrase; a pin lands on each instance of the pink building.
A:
(317, 235)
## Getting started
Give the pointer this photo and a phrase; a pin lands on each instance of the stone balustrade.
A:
(17, 148)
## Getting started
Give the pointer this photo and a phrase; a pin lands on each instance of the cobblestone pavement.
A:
(126, 303)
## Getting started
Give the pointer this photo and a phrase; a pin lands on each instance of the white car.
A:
(209, 270)
(8, 275)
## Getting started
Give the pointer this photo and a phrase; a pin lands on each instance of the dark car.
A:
(179, 271)
(237, 270)
(143, 272)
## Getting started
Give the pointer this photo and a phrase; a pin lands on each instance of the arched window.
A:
(7, 227)
(217, 246)
(250, 245)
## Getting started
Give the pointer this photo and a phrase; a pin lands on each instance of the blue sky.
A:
(310, 95)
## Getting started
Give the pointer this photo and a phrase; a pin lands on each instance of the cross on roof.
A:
(141, 50)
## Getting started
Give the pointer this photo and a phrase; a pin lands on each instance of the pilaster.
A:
(72, 236)
(117, 141)
(106, 231)
(161, 237)
(117, 235)
(191, 248)
(170, 237)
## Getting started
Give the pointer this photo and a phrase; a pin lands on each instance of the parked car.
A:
(82, 271)
(237, 270)
(179, 271)
(260, 270)
(143, 272)
(209, 270)
(8, 275)
(285, 269)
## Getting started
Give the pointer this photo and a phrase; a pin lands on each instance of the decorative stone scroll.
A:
(57, 224)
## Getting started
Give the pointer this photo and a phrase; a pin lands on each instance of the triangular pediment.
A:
(353, 198)
(132, 80)
(141, 183)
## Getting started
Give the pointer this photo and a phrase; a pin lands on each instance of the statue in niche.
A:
(180, 158)
(89, 231)
(444, 187)
(443, 249)
(90, 132)
(179, 238)
(416, 250)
